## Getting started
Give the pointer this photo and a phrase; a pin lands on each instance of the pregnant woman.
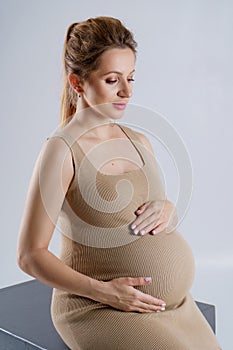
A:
(123, 276)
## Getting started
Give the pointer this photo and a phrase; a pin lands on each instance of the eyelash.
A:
(114, 81)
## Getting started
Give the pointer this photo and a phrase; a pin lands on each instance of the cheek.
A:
(104, 92)
(99, 92)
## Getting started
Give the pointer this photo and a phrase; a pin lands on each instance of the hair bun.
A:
(69, 31)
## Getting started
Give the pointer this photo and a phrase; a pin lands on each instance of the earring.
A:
(77, 91)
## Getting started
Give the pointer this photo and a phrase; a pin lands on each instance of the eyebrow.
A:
(117, 72)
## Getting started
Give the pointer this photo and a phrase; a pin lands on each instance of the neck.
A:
(95, 124)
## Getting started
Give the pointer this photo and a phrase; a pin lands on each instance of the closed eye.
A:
(114, 81)
(111, 81)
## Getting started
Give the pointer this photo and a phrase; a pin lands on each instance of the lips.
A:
(120, 105)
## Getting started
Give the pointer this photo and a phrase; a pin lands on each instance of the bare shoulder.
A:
(49, 182)
(56, 147)
(56, 154)
(145, 141)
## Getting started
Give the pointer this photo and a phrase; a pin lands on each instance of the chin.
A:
(108, 111)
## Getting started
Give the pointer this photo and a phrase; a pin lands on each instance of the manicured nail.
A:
(142, 232)
(148, 279)
(154, 232)
(158, 311)
(136, 232)
(163, 308)
(163, 304)
(133, 226)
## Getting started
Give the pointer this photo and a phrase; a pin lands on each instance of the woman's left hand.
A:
(154, 217)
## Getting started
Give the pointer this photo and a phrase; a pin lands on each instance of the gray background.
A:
(183, 71)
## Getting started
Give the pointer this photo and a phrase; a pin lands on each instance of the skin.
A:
(51, 177)
(100, 90)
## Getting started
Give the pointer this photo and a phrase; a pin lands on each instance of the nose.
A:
(125, 90)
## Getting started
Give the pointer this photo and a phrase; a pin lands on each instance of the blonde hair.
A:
(84, 43)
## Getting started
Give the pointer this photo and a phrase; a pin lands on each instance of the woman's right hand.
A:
(121, 294)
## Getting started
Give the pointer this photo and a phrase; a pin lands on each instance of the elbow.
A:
(29, 261)
(25, 260)
(22, 261)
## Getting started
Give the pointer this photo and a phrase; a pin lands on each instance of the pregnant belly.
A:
(167, 258)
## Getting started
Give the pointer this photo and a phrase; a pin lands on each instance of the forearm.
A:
(49, 269)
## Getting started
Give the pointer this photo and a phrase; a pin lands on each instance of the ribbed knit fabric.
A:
(97, 241)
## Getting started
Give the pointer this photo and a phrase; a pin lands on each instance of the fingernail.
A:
(133, 226)
(158, 311)
(142, 232)
(136, 232)
(163, 308)
(164, 304)
(148, 279)
(154, 232)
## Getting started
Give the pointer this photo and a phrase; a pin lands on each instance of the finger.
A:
(149, 299)
(148, 225)
(153, 303)
(159, 229)
(141, 210)
(149, 307)
(153, 215)
(150, 208)
(145, 219)
(145, 205)
(143, 214)
(143, 231)
(142, 207)
(136, 281)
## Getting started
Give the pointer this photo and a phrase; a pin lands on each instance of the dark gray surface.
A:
(25, 312)
(25, 321)
(9, 341)
(208, 311)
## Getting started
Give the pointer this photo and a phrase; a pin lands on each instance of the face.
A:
(109, 88)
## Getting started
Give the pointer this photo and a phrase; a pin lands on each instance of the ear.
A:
(75, 82)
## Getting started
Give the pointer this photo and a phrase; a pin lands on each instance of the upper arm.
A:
(52, 174)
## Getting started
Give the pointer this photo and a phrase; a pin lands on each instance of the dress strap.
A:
(129, 132)
(135, 140)
(71, 142)
(78, 153)
(67, 138)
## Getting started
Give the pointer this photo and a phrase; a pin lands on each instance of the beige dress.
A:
(97, 241)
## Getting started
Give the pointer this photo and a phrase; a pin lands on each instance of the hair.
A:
(84, 44)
